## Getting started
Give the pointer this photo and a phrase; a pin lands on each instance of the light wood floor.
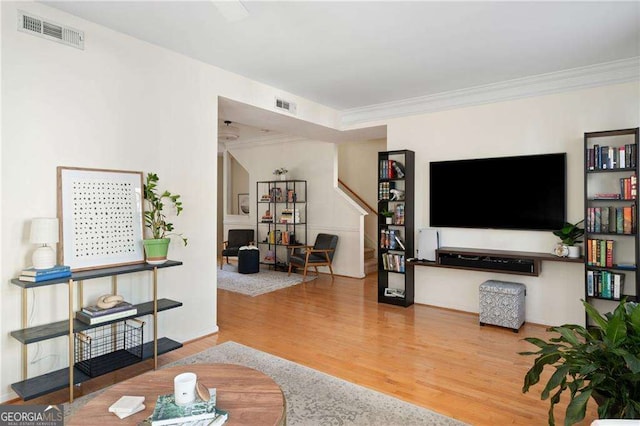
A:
(432, 357)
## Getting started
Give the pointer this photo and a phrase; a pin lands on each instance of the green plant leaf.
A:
(568, 335)
(577, 408)
(595, 315)
(557, 379)
(533, 375)
(632, 362)
(616, 329)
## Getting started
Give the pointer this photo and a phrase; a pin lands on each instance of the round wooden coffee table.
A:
(250, 397)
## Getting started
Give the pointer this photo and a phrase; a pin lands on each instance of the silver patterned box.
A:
(502, 303)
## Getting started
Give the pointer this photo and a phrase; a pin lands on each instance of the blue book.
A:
(39, 278)
(33, 272)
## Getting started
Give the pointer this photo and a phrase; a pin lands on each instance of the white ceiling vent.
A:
(37, 26)
(283, 105)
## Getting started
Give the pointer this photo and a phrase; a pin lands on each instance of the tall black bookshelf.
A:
(612, 248)
(396, 187)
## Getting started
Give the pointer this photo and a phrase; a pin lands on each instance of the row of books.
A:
(610, 219)
(605, 284)
(611, 157)
(37, 275)
(393, 262)
(629, 188)
(384, 190)
(398, 214)
(93, 314)
(391, 169)
(390, 239)
(600, 253)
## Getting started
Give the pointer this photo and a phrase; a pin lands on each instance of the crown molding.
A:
(622, 71)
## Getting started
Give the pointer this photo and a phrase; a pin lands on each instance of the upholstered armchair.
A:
(320, 254)
(236, 238)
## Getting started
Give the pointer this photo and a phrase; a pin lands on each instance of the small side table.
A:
(248, 260)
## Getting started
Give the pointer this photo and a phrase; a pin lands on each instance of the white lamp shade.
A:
(44, 230)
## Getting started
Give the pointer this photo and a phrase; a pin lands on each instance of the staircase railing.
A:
(358, 197)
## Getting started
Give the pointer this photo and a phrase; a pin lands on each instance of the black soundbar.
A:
(487, 262)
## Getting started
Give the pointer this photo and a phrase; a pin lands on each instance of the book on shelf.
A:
(398, 241)
(96, 311)
(167, 412)
(93, 320)
(33, 272)
(40, 278)
(127, 405)
(394, 292)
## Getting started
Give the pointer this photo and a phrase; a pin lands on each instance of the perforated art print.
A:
(101, 216)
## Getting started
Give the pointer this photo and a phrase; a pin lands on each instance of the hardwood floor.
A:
(436, 358)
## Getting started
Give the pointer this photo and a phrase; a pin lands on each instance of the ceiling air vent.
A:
(286, 106)
(37, 26)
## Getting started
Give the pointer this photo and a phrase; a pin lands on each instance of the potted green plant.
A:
(155, 220)
(388, 216)
(600, 362)
(569, 235)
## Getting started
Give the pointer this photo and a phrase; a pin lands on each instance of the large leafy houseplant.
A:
(155, 219)
(600, 362)
(570, 233)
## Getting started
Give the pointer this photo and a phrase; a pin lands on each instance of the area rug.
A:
(256, 284)
(314, 398)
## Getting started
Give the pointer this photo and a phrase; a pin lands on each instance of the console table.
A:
(505, 261)
(34, 387)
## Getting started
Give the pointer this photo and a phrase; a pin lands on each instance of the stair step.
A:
(369, 253)
(370, 265)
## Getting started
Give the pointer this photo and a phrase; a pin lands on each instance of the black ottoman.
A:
(248, 260)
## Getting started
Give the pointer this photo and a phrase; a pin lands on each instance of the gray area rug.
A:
(256, 284)
(314, 398)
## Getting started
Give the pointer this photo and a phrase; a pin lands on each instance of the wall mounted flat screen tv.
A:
(522, 193)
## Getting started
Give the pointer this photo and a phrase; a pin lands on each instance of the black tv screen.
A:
(524, 192)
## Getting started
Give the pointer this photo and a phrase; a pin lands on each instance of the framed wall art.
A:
(101, 217)
(243, 204)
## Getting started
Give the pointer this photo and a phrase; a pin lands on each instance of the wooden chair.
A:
(320, 254)
(236, 238)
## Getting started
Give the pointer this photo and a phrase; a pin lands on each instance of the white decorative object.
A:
(574, 252)
(184, 387)
(44, 231)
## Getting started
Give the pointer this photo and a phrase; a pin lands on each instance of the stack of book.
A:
(127, 405)
(95, 315)
(290, 216)
(36, 275)
(167, 412)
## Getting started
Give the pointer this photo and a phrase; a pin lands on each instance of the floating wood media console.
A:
(505, 261)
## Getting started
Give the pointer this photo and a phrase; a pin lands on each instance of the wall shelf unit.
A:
(34, 387)
(396, 186)
(286, 222)
(612, 248)
(501, 261)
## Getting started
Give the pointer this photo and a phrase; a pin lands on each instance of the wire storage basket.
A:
(101, 350)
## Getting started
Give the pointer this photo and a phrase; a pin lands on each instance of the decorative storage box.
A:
(109, 347)
(502, 303)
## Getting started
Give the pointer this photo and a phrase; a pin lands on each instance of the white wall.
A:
(119, 104)
(553, 123)
(358, 169)
(328, 209)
